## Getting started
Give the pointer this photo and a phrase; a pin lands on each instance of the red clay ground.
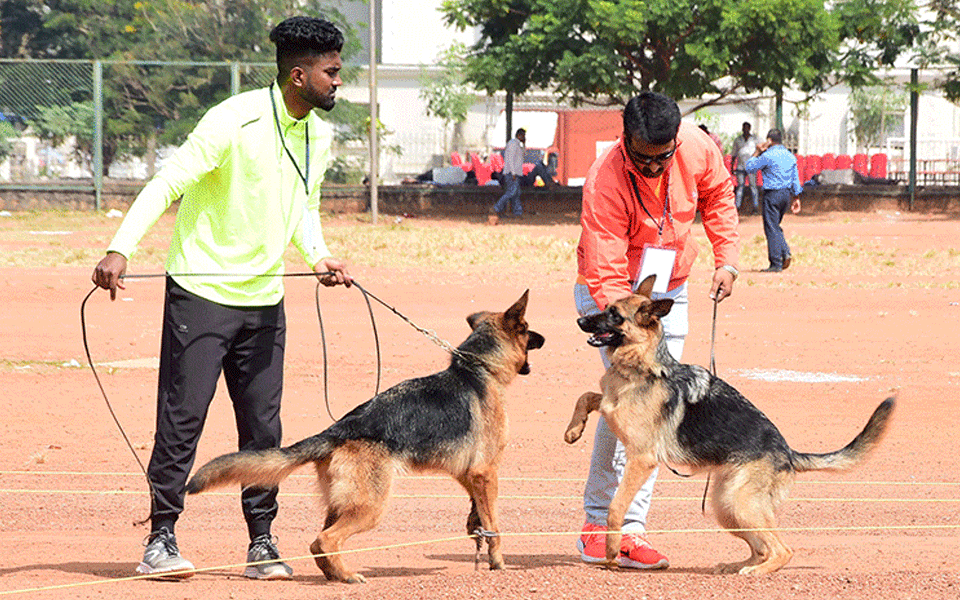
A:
(816, 348)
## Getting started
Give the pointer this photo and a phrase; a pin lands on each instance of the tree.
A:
(58, 123)
(147, 104)
(8, 134)
(605, 51)
(496, 62)
(446, 92)
(875, 111)
(939, 42)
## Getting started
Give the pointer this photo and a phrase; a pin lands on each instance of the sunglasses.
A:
(646, 160)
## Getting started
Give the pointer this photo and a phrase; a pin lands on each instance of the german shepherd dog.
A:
(681, 415)
(454, 421)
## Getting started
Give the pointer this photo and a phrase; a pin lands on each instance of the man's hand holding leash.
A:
(723, 279)
(332, 271)
(109, 273)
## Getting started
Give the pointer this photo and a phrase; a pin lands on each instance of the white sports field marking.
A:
(795, 376)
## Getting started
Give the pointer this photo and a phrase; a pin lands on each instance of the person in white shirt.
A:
(512, 172)
(744, 146)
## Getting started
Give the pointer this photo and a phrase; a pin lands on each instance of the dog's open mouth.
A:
(605, 338)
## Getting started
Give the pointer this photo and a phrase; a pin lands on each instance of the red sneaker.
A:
(592, 546)
(637, 553)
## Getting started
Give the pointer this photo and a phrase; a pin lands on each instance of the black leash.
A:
(366, 296)
(86, 349)
(713, 371)
(113, 414)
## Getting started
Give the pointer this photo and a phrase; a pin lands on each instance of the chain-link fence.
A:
(70, 123)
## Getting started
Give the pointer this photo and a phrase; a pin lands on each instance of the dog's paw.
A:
(730, 568)
(573, 433)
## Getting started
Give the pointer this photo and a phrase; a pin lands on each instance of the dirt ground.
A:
(816, 348)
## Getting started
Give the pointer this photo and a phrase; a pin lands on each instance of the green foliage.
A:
(148, 104)
(56, 123)
(939, 42)
(344, 170)
(875, 111)
(875, 33)
(8, 134)
(605, 51)
(351, 121)
(445, 91)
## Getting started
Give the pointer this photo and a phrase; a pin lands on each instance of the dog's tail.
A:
(856, 450)
(260, 468)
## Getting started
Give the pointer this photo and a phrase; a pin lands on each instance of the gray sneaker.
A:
(263, 552)
(162, 557)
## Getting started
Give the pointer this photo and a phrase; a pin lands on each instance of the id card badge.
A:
(658, 261)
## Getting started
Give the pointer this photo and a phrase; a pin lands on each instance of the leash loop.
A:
(96, 376)
(481, 534)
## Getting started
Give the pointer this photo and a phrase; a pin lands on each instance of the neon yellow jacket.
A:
(243, 200)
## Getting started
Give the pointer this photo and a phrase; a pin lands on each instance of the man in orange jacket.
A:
(639, 203)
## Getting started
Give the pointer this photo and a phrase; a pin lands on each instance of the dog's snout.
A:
(534, 340)
(586, 323)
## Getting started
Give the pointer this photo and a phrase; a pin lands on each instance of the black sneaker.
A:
(266, 561)
(162, 557)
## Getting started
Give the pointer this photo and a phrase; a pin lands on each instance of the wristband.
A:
(732, 270)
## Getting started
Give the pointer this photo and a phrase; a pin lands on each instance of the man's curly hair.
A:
(298, 37)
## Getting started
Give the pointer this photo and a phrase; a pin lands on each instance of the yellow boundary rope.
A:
(464, 496)
(467, 537)
(531, 479)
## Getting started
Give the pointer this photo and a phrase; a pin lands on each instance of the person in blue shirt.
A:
(781, 188)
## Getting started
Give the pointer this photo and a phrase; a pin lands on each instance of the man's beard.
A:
(326, 103)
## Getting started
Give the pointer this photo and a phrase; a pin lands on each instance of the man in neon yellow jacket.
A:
(249, 179)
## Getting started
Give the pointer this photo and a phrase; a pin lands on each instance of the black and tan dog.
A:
(681, 415)
(453, 421)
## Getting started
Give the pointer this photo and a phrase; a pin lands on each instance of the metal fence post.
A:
(374, 120)
(98, 134)
(234, 78)
(914, 109)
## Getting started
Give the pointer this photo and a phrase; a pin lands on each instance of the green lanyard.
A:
(305, 174)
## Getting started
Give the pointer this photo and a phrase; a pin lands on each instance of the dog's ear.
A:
(646, 286)
(656, 309)
(474, 319)
(515, 313)
(660, 308)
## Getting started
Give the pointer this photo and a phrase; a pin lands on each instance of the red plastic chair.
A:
(861, 164)
(482, 171)
(878, 166)
(812, 167)
(455, 159)
(496, 162)
(843, 162)
(828, 162)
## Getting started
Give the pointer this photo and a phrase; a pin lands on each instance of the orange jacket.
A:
(615, 227)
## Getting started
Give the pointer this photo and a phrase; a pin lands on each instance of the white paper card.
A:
(659, 262)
